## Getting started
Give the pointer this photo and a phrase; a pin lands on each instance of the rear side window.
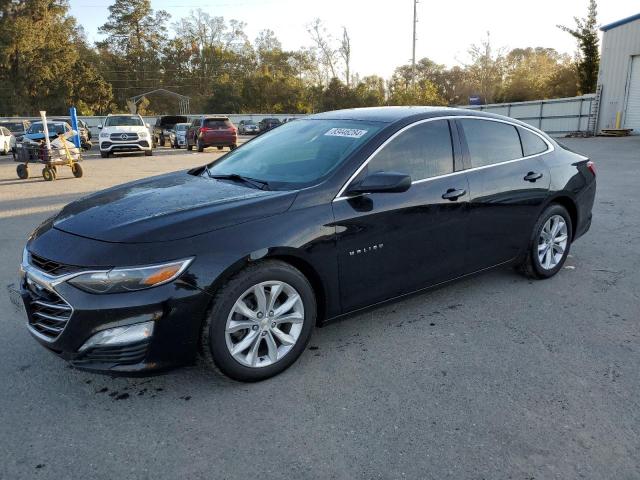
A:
(531, 143)
(422, 151)
(491, 142)
(216, 123)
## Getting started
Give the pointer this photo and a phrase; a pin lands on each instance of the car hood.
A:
(168, 207)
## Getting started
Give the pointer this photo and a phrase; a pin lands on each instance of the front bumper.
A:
(176, 310)
(112, 146)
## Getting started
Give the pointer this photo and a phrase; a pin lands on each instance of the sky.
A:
(381, 30)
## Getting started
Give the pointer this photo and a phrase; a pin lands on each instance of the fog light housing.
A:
(120, 335)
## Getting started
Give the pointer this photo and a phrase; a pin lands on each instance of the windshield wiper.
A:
(260, 184)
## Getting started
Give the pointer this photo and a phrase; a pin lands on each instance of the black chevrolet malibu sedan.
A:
(239, 260)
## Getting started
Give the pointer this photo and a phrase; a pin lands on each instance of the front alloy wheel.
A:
(260, 321)
(264, 324)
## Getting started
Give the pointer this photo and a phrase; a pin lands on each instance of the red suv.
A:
(212, 132)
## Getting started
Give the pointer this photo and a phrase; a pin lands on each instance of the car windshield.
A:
(297, 153)
(14, 127)
(123, 121)
(52, 127)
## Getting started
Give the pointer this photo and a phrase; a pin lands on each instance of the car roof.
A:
(393, 114)
(397, 114)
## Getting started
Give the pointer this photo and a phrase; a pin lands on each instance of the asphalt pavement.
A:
(494, 377)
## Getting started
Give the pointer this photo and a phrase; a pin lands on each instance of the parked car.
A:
(85, 133)
(163, 127)
(241, 259)
(17, 127)
(248, 127)
(178, 135)
(7, 141)
(268, 123)
(35, 131)
(35, 135)
(124, 133)
(212, 131)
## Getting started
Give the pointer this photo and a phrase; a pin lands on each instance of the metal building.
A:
(619, 75)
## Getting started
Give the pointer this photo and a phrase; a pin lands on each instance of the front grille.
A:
(116, 354)
(48, 311)
(51, 267)
(123, 137)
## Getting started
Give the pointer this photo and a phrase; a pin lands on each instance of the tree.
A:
(136, 36)
(537, 73)
(345, 53)
(41, 61)
(485, 73)
(586, 33)
(326, 53)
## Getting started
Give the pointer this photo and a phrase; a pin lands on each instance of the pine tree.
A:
(586, 33)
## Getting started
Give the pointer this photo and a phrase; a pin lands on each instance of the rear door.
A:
(508, 186)
(395, 243)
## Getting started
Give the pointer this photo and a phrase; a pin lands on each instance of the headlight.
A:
(143, 134)
(104, 135)
(120, 280)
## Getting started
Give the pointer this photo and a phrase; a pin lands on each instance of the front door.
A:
(394, 243)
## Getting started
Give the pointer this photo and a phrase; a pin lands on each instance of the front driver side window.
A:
(421, 151)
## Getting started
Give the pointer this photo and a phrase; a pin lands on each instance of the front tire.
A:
(200, 146)
(104, 154)
(550, 243)
(148, 153)
(260, 322)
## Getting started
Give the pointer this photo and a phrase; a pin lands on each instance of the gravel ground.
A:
(495, 377)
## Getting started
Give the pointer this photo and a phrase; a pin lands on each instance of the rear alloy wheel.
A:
(550, 244)
(260, 322)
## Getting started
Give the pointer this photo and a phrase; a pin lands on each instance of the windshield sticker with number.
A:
(345, 132)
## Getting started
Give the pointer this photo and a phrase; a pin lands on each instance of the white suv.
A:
(124, 133)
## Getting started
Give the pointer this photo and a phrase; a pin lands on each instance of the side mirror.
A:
(381, 182)
(100, 127)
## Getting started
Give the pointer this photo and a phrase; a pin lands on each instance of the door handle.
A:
(532, 176)
(453, 194)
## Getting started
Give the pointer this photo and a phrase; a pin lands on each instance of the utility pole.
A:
(413, 56)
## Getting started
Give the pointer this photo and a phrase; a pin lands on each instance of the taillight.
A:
(202, 130)
(592, 167)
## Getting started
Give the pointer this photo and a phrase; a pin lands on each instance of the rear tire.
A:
(263, 331)
(233, 147)
(549, 244)
(200, 146)
(189, 147)
(219, 147)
